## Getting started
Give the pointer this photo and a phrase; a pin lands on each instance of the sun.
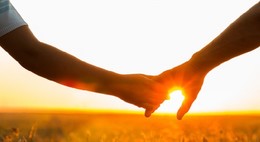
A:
(175, 100)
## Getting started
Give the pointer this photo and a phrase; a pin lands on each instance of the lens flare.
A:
(175, 100)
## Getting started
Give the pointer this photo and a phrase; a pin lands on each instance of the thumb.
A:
(149, 111)
(185, 107)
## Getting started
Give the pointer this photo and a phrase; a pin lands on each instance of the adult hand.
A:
(187, 77)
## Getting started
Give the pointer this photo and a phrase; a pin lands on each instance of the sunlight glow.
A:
(129, 37)
(177, 94)
(172, 105)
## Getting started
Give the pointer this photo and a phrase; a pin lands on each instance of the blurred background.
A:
(137, 36)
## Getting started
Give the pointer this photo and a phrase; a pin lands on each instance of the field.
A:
(127, 128)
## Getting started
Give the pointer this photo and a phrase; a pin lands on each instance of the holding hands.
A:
(187, 77)
(240, 37)
(148, 92)
(139, 90)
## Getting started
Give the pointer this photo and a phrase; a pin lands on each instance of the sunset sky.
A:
(131, 36)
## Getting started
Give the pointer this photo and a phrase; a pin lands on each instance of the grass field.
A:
(127, 128)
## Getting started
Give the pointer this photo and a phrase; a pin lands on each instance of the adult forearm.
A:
(240, 37)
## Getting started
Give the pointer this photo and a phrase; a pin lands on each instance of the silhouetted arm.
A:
(61, 67)
(242, 36)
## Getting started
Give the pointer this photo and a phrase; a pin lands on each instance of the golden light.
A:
(175, 100)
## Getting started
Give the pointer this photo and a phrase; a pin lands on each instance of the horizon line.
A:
(119, 111)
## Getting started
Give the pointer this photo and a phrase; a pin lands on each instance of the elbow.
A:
(28, 58)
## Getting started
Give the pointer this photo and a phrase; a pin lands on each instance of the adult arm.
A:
(242, 36)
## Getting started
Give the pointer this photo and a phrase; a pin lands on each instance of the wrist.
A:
(108, 82)
(201, 63)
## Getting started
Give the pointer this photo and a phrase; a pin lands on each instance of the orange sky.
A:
(116, 35)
